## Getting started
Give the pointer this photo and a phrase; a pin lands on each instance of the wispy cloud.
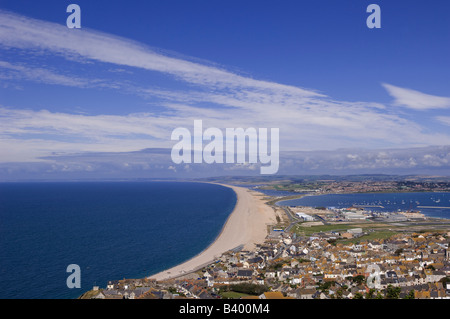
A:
(415, 99)
(28, 134)
(26, 33)
(444, 119)
(23, 71)
(156, 163)
(308, 120)
(20, 72)
(395, 160)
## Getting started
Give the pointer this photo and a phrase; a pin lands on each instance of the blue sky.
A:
(136, 70)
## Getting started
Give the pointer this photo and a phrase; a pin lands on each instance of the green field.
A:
(300, 230)
(232, 295)
(382, 234)
(380, 231)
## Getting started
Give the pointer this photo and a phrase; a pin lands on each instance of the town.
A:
(381, 184)
(318, 253)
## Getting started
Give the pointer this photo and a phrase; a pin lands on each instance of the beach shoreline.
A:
(246, 226)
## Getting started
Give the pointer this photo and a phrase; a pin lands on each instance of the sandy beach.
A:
(246, 225)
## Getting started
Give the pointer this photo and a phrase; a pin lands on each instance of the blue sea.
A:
(112, 230)
(438, 203)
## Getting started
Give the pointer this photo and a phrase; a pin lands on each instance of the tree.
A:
(358, 296)
(246, 288)
(444, 280)
(392, 292)
(370, 293)
(410, 295)
(359, 279)
(326, 285)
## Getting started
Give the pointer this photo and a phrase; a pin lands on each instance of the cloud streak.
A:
(415, 99)
(308, 120)
(12, 71)
(156, 163)
(21, 32)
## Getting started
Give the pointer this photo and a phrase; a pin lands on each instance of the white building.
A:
(352, 215)
(355, 231)
(305, 217)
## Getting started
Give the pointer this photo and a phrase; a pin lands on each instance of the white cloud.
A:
(415, 99)
(156, 162)
(444, 119)
(26, 33)
(12, 71)
(307, 120)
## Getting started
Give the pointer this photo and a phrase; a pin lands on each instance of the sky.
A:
(102, 101)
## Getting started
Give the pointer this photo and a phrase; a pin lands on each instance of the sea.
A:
(432, 204)
(111, 230)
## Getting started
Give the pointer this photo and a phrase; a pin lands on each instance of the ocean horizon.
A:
(112, 230)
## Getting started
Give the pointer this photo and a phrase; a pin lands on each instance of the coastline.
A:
(382, 192)
(246, 225)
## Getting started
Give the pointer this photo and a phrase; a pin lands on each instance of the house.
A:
(347, 235)
(375, 246)
(295, 293)
(112, 294)
(256, 260)
(307, 293)
(245, 273)
(403, 281)
(139, 292)
(100, 295)
(409, 256)
(204, 294)
(393, 245)
(272, 295)
(404, 292)
(355, 231)
(433, 275)
(391, 274)
(332, 275)
(158, 294)
(111, 284)
(446, 270)
(358, 289)
(296, 280)
(321, 296)
(347, 294)
(422, 294)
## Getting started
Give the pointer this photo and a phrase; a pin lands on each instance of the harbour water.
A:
(432, 204)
